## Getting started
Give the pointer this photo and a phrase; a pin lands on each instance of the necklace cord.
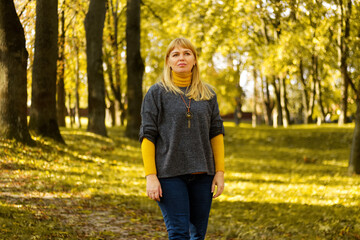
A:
(188, 107)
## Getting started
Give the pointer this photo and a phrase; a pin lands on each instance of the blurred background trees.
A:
(303, 52)
(94, 28)
(43, 119)
(286, 62)
(13, 63)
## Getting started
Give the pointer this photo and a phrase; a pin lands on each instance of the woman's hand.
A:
(153, 187)
(219, 182)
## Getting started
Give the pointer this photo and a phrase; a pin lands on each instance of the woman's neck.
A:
(181, 79)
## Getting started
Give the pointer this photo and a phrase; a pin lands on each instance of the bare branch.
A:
(25, 6)
(353, 86)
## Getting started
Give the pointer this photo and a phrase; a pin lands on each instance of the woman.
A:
(181, 137)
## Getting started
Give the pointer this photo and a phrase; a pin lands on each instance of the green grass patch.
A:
(280, 184)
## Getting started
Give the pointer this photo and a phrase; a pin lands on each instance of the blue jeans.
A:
(186, 204)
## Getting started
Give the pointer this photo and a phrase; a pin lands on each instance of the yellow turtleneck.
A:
(148, 147)
(181, 79)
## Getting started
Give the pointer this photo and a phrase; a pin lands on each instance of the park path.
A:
(90, 219)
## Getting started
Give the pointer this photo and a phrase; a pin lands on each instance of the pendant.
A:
(189, 115)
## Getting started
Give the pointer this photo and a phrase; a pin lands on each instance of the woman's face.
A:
(181, 60)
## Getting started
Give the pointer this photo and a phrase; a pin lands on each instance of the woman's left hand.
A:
(219, 182)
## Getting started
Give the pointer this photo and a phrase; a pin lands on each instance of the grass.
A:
(289, 184)
(280, 184)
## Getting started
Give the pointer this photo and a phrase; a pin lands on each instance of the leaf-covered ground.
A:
(280, 184)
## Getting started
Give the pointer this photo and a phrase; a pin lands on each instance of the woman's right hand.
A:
(153, 187)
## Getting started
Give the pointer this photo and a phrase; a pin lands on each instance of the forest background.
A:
(290, 63)
(285, 61)
(300, 43)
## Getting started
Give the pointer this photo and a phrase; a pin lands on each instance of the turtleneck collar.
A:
(181, 79)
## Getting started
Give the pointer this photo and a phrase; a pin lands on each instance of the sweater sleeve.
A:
(217, 126)
(149, 116)
(217, 144)
(148, 154)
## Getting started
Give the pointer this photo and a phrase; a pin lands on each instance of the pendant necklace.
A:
(188, 114)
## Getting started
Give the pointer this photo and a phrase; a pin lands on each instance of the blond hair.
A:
(198, 90)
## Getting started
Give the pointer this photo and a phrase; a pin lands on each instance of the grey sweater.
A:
(180, 150)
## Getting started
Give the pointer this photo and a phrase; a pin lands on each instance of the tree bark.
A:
(94, 26)
(43, 97)
(283, 99)
(279, 117)
(268, 105)
(344, 34)
(238, 106)
(266, 100)
(305, 98)
(115, 106)
(320, 102)
(116, 88)
(76, 43)
(135, 68)
(109, 72)
(13, 79)
(239, 96)
(312, 101)
(71, 113)
(254, 115)
(77, 83)
(317, 90)
(60, 86)
(354, 163)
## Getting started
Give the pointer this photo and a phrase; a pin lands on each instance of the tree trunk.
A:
(94, 25)
(279, 117)
(109, 71)
(305, 98)
(268, 105)
(71, 112)
(344, 34)
(76, 44)
(320, 102)
(117, 90)
(345, 94)
(239, 94)
(254, 115)
(312, 101)
(135, 68)
(264, 102)
(283, 99)
(238, 106)
(60, 86)
(13, 64)
(43, 98)
(77, 83)
(354, 163)
(317, 87)
(111, 109)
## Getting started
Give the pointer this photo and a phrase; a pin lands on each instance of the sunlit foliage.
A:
(270, 37)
